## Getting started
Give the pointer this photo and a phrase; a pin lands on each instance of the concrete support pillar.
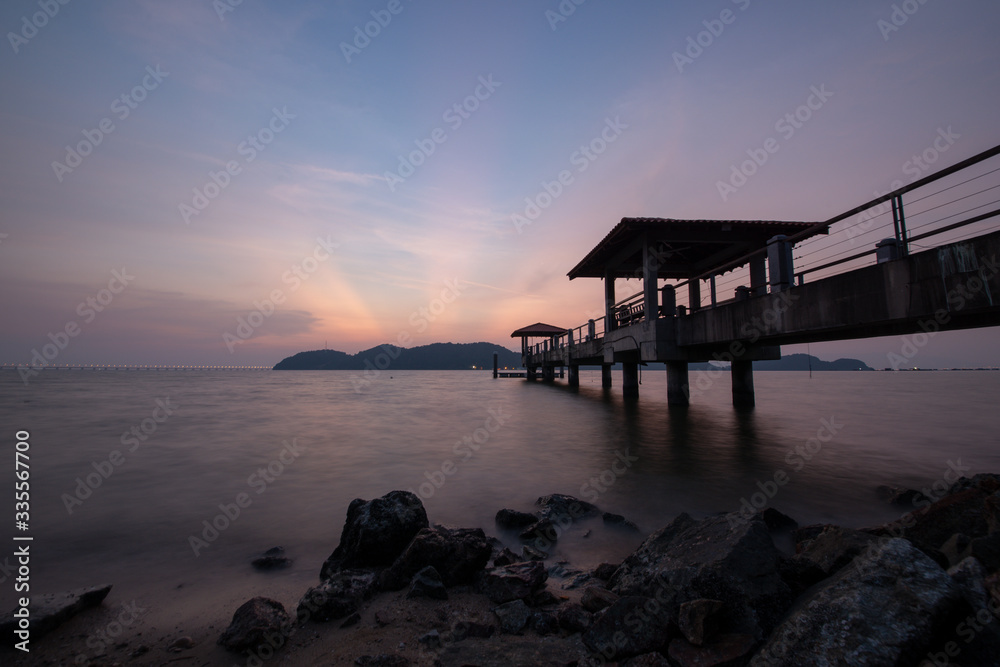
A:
(649, 283)
(609, 302)
(781, 273)
(532, 372)
(548, 373)
(630, 379)
(694, 294)
(574, 375)
(668, 301)
(758, 275)
(496, 365)
(605, 375)
(742, 372)
(678, 389)
(591, 330)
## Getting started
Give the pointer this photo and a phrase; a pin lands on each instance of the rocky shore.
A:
(730, 589)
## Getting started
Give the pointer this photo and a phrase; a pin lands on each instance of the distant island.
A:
(465, 356)
(433, 357)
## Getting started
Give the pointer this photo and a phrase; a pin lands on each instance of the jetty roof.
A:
(683, 248)
(538, 329)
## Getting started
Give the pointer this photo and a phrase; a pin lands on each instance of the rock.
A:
(513, 582)
(698, 620)
(49, 611)
(647, 660)
(351, 620)
(834, 548)
(618, 520)
(775, 520)
(181, 644)
(565, 509)
(596, 598)
(531, 553)
(272, 559)
(513, 616)
(382, 660)
(992, 512)
(800, 574)
(605, 571)
(882, 610)
(970, 577)
(631, 626)
(427, 584)
(472, 629)
(803, 534)
(338, 597)
(573, 617)
(506, 557)
(987, 550)
(962, 509)
(544, 623)
(542, 598)
(726, 650)
(724, 557)
(512, 519)
(376, 532)
(543, 534)
(895, 495)
(253, 623)
(458, 554)
(956, 548)
(431, 639)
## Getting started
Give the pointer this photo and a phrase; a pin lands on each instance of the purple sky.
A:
(274, 165)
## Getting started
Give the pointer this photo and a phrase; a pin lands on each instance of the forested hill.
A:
(434, 357)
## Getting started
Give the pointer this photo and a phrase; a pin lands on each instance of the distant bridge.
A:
(868, 277)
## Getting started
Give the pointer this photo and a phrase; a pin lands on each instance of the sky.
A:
(226, 182)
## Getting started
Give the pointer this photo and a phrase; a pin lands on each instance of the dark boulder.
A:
(272, 559)
(543, 534)
(512, 519)
(698, 620)
(472, 630)
(506, 557)
(427, 584)
(564, 509)
(631, 626)
(544, 623)
(725, 557)
(338, 597)
(596, 598)
(376, 532)
(647, 660)
(513, 582)
(256, 622)
(605, 571)
(458, 554)
(725, 651)
(618, 520)
(382, 660)
(775, 520)
(49, 611)
(513, 616)
(574, 617)
(834, 548)
(881, 610)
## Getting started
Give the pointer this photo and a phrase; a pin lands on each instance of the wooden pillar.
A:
(609, 302)
(694, 294)
(649, 283)
(605, 375)
(574, 375)
(548, 373)
(496, 365)
(630, 379)
(678, 389)
(758, 275)
(742, 372)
